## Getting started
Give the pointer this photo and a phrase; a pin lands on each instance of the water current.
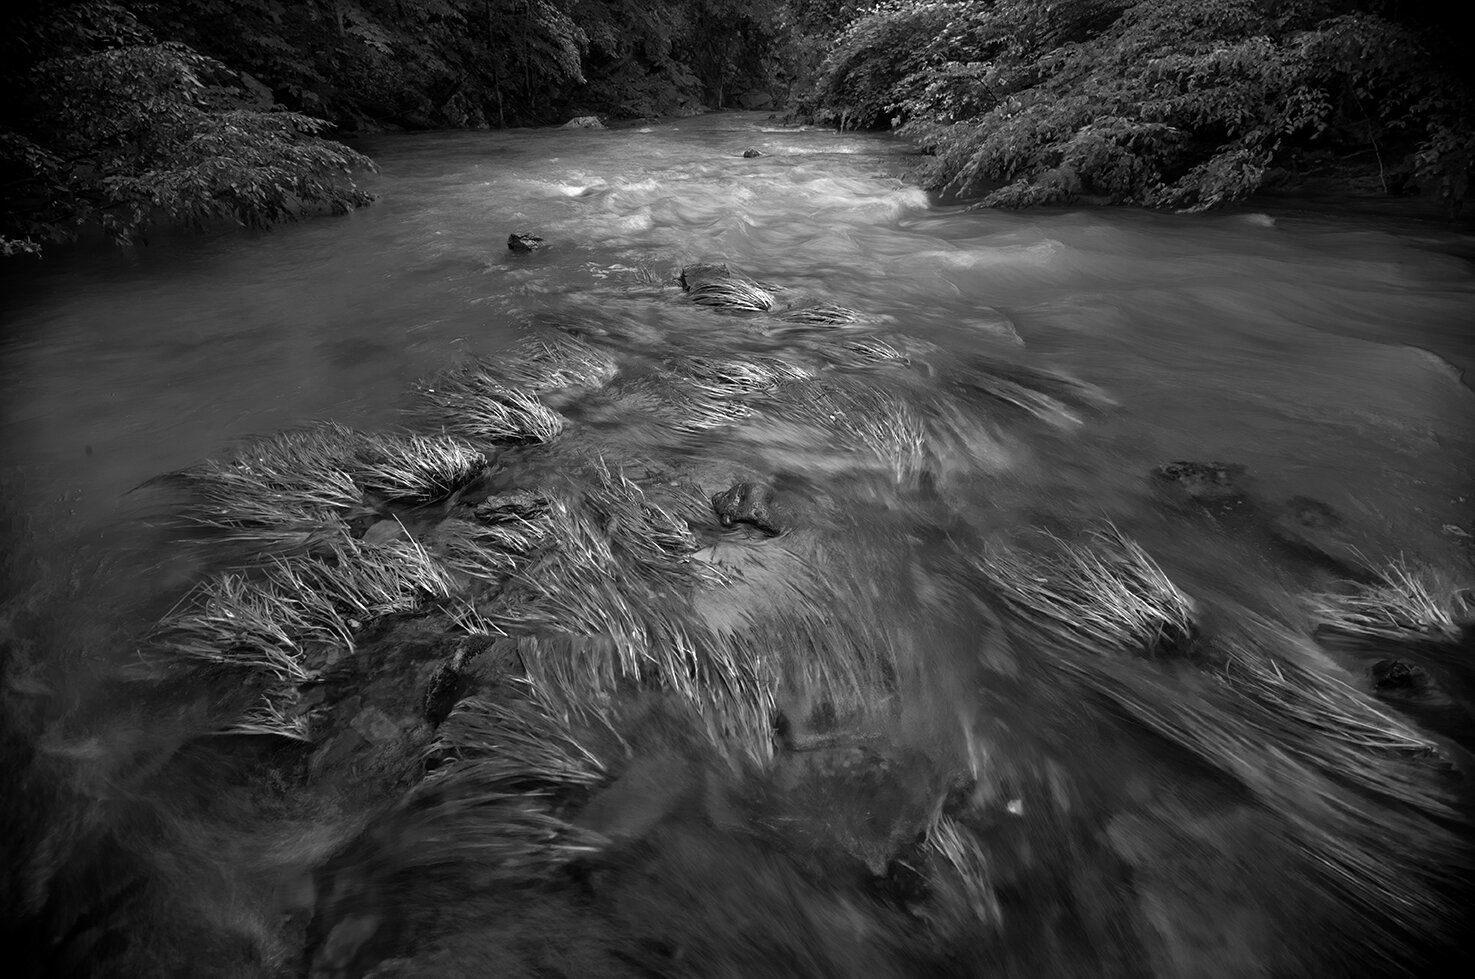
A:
(933, 811)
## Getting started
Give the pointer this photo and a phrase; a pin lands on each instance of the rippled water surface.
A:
(1324, 354)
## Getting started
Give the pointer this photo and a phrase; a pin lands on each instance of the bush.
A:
(117, 129)
(1173, 103)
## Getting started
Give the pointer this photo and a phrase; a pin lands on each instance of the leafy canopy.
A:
(116, 129)
(1177, 103)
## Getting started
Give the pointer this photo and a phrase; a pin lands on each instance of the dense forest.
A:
(122, 112)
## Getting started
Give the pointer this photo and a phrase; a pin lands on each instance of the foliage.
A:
(117, 129)
(1181, 103)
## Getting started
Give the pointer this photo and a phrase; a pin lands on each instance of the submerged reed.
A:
(1103, 594)
(733, 293)
(275, 622)
(295, 490)
(519, 743)
(1410, 603)
(473, 402)
(556, 362)
(820, 312)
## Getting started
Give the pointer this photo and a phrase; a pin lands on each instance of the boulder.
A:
(749, 503)
(751, 153)
(755, 100)
(693, 276)
(520, 242)
(584, 122)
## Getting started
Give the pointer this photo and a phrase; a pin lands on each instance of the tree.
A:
(1173, 103)
(112, 127)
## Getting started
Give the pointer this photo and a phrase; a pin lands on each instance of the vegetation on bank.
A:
(122, 112)
(1166, 103)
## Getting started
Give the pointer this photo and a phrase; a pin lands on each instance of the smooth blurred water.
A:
(1323, 352)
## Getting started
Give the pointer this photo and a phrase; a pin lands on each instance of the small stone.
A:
(443, 691)
(749, 503)
(751, 153)
(521, 242)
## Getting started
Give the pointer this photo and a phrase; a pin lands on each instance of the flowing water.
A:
(1326, 354)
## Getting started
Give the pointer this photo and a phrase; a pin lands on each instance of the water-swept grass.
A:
(519, 742)
(1411, 603)
(1102, 593)
(820, 312)
(276, 623)
(473, 402)
(555, 361)
(296, 490)
(741, 295)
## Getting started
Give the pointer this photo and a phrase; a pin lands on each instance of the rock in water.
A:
(584, 122)
(1215, 486)
(751, 153)
(520, 242)
(749, 503)
(702, 272)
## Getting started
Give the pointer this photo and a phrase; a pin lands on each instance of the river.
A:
(1329, 355)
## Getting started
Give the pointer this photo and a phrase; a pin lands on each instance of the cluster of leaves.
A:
(468, 63)
(114, 128)
(1177, 103)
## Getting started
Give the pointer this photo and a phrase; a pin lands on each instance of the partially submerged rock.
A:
(749, 503)
(520, 241)
(702, 272)
(584, 122)
(750, 153)
(1215, 486)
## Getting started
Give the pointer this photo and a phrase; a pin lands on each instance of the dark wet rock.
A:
(750, 503)
(446, 687)
(1396, 676)
(584, 122)
(751, 153)
(1215, 486)
(516, 505)
(702, 273)
(521, 242)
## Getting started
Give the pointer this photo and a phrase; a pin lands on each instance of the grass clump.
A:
(858, 416)
(1409, 603)
(296, 490)
(733, 293)
(821, 312)
(416, 470)
(519, 743)
(557, 362)
(1049, 396)
(472, 401)
(1103, 594)
(276, 623)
